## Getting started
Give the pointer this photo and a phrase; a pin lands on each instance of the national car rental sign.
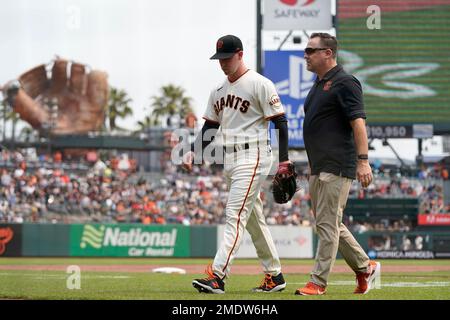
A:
(297, 15)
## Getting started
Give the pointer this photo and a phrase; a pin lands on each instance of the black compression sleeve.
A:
(203, 140)
(283, 135)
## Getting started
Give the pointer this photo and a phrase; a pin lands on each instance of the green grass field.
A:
(32, 284)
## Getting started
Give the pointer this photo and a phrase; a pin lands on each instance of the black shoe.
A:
(271, 284)
(210, 284)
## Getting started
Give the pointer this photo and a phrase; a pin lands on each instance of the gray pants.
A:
(329, 195)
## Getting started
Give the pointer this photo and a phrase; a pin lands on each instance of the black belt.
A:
(236, 148)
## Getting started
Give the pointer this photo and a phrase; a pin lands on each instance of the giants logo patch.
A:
(275, 101)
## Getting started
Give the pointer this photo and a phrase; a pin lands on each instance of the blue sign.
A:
(287, 70)
(372, 254)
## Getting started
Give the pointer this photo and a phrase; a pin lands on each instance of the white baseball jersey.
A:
(243, 108)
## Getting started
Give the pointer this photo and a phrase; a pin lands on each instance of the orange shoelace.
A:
(267, 281)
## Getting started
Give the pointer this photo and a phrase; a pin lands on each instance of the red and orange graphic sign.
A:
(6, 234)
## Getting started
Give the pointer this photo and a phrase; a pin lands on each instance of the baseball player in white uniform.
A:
(239, 110)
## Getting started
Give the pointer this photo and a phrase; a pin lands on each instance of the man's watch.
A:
(363, 157)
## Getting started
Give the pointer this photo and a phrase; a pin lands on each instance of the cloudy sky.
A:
(141, 44)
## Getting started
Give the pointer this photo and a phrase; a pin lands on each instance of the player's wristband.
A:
(363, 157)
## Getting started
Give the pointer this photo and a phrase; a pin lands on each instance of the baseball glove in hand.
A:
(284, 183)
(81, 97)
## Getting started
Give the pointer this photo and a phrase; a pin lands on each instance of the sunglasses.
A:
(309, 51)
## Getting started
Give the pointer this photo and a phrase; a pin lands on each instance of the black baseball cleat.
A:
(210, 284)
(271, 284)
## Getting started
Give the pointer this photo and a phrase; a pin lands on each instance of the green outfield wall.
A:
(138, 240)
(52, 240)
(203, 241)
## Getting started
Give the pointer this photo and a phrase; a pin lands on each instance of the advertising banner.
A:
(290, 241)
(10, 240)
(399, 254)
(129, 240)
(433, 219)
(287, 70)
(297, 15)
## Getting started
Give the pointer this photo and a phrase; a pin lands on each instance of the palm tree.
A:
(26, 133)
(14, 118)
(8, 114)
(145, 124)
(4, 105)
(171, 102)
(118, 107)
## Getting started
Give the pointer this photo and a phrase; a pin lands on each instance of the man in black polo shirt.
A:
(335, 138)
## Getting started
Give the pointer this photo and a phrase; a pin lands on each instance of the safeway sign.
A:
(297, 15)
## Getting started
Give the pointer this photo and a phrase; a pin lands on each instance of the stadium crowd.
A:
(51, 190)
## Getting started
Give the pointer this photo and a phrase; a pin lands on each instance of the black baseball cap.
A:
(227, 46)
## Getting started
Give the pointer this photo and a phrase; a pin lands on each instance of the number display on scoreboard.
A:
(389, 132)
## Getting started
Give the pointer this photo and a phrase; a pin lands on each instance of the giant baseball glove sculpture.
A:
(284, 183)
(80, 96)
